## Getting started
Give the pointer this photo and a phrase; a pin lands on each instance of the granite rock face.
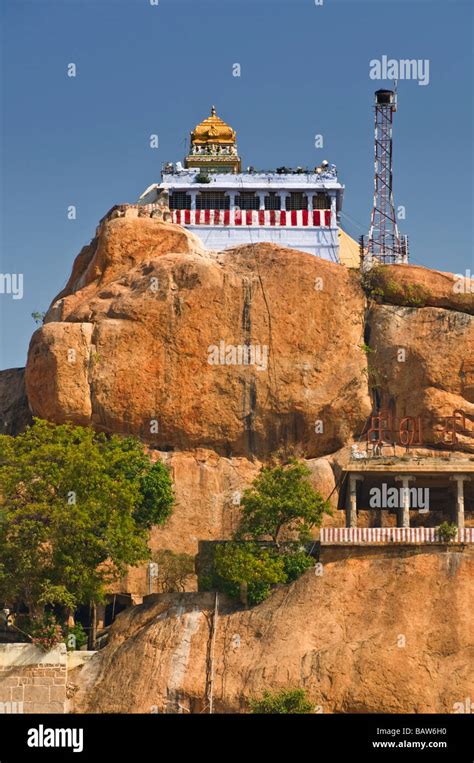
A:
(377, 633)
(249, 350)
(242, 351)
(422, 366)
(15, 414)
(415, 286)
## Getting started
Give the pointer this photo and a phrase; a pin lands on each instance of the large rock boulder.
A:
(421, 365)
(416, 286)
(250, 350)
(243, 351)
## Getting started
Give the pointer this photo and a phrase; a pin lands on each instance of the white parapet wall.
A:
(399, 535)
(322, 242)
(23, 655)
(314, 232)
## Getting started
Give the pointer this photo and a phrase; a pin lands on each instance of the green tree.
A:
(281, 502)
(290, 701)
(75, 510)
(246, 568)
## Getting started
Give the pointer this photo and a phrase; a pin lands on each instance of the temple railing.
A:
(298, 218)
(329, 535)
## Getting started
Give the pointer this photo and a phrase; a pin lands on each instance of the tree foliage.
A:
(290, 701)
(250, 565)
(75, 510)
(447, 531)
(280, 509)
(281, 502)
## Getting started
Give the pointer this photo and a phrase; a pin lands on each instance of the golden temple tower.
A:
(213, 146)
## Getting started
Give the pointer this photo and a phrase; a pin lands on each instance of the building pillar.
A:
(232, 195)
(282, 195)
(404, 511)
(193, 195)
(100, 616)
(261, 200)
(309, 197)
(333, 211)
(351, 510)
(460, 479)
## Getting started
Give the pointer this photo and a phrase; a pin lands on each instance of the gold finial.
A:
(213, 111)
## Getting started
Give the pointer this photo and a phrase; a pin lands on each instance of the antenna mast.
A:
(385, 243)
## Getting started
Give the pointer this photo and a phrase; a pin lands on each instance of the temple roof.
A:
(213, 129)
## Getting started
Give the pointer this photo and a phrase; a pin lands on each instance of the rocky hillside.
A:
(381, 632)
(149, 338)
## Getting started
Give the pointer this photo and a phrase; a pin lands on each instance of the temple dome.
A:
(213, 129)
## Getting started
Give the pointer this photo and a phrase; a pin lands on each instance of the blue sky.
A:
(144, 69)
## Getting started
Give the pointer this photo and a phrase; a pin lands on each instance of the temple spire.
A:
(213, 146)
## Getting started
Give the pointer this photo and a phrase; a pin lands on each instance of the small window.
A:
(180, 200)
(212, 200)
(296, 201)
(272, 201)
(321, 201)
(247, 201)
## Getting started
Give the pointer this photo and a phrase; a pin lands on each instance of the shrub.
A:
(46, 632)
(249, 566)
(173, 569)
(75, 636)
(253, 569)
(205, 582)
(296, 562)
(381, 288)
(290, 701)
(447, 531)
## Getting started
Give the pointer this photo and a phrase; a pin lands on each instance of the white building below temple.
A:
(225, 207)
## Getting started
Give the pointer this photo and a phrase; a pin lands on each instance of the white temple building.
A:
(225, 207)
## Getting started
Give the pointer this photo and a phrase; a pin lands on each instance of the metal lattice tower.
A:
(384, 241)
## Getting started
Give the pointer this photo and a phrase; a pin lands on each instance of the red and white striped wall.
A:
(298, 218)
(330, 535)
